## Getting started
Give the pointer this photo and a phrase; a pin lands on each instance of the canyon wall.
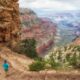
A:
(41, 29)
(9, 21)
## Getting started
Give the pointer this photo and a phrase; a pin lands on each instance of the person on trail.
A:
(6, 67)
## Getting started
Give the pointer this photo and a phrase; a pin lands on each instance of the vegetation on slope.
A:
(67, 57)
(27, 47)
(38, 65)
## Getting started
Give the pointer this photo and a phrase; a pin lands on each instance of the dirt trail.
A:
(17, 61)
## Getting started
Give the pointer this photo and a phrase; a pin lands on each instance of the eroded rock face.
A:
(9, 21)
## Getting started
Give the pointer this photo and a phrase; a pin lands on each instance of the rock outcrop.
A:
(9, 21)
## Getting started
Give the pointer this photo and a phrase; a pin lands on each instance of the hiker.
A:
(6, 67)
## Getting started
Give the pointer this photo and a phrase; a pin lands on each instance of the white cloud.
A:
(47, 4)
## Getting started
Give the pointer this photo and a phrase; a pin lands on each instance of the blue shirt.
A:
(6, 66)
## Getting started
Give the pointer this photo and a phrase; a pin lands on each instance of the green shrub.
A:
(55, 65)
(52, 61)
(74, 61)
(37, 66)
(28, 47)
(78, 48)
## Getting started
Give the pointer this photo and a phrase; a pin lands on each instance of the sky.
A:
(51, 4)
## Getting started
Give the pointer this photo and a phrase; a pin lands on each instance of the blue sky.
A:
(51, 4)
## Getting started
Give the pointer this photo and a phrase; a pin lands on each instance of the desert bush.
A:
(73, 60)
(54, 61)
(37, 65)
(28, 47)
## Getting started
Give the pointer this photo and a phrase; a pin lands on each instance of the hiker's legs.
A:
(6, 73)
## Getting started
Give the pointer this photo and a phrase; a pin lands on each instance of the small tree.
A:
(28, 47)
(38, 65)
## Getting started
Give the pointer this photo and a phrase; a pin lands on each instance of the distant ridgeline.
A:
(9, 21)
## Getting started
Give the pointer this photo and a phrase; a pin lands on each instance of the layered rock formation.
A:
(9, 21)
(42, 29)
